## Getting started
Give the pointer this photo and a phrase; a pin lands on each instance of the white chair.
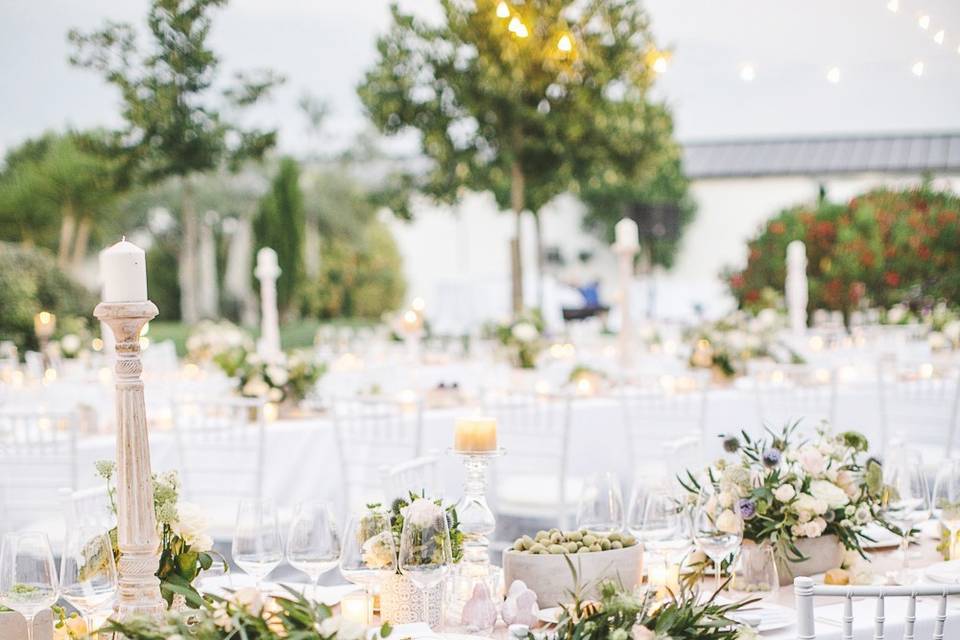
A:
(531, 480)
(372, 433)
(664, 432)
(38, 459)
(220, 445)
(90, 508)
(805, 590)
(919, 410)
(418, 474)
(787, 393)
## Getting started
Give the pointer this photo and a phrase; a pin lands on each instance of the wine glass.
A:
(256, 538)
(906, 502)
(369, 551)
(313, 545)
(757, 573)
(425, 552)
(28, 576)
(662, 527)
(717, 531)
(601, 504)
(88, 573)
(946, 499)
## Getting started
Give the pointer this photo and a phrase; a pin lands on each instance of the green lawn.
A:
(293, 335)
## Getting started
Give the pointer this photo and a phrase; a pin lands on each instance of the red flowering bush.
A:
(881, 248)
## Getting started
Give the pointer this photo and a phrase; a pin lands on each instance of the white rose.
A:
(814, 528)
(524, 332)
(807, 506)
(784, 493)
(896, 314)
(728, 522)
(831, 494)
(423, 513)
(275, 395)
(255, 388)
(278, 375)
(191, 524)
(812, 460)
(725, 499)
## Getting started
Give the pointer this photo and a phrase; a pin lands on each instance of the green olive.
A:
(557, 549)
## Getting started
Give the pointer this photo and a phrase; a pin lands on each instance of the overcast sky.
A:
(323, 47)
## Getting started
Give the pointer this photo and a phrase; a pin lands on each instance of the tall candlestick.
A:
(627, 233)
(267, 271)
(123, 268)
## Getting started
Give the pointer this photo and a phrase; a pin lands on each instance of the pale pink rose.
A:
(812, 460)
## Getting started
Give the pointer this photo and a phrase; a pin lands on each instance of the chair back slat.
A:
(664, 430)
(805, 590)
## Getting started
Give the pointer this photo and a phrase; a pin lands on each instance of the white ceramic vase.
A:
(821, 554)
(403, 602)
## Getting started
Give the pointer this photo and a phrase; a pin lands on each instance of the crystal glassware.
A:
(256, 539)
(313, 544)
(906, 503)
(946, 502)
(88, 573)
(425, 554)
(663, 526)
(718, 532)
(369, 551)
(601, 504)
(28, 576)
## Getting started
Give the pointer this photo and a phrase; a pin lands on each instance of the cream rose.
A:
(829, 493)
(812, 461)
(728, 522)
(784, 493)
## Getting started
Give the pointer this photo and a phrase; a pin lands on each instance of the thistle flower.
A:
(772, 457)
(731, 444)
(746, 508)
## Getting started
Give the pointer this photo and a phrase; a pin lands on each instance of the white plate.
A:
(766, 617)
(884, 539)
(550, 615)
(945, 572)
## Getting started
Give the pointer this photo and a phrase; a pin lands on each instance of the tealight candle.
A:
(355, 607)
(475, 434)
(123, 268)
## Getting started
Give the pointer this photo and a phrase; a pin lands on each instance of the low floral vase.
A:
(822, 554)
(403, 602)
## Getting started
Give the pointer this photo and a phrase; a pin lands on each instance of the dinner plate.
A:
(765, 617)
(944, 572)
(883, 539)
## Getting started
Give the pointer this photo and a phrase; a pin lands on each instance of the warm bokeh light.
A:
(833, 75)
(917, 69)
(748, 73)
(565, 44)
(924, 22)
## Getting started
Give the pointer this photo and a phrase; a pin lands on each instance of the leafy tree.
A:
(174, 126)
(526, 100)
(279, 225)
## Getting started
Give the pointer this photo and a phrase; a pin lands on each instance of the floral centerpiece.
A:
(523, 337)
(289, 377)
(787, 491)
(645, 614)
(726, 345)
(208, 339)
(400, 600)
(246, 613)
(186, 549)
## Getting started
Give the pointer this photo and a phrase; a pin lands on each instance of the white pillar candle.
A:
(123, 268)
(627, 233)
(475, 434)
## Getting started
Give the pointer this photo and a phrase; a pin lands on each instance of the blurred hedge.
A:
(881, 248)
(30, 282)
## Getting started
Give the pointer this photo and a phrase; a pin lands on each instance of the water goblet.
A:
(369, 551)
(601, 504)
(717, 532)
(313, 544)
(256, 539)
(88, 573)
(425, 554)
(946, 501)
(28, 576)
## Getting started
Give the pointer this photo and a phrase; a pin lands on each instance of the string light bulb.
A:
(503, 11)
(924, 22)
(565, 44)
(514, 24)
(833, 75)
(748, 73)
(939, 37)
(660, 64)
(521, 31)
(917, 68)
(893, 6)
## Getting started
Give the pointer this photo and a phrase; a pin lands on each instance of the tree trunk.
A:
(516, 262)
(81, 241)
(67, 226)
(541, 257)
(208, 296)
(311, 248)
(188, 254)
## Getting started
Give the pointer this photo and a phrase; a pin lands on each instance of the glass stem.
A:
(904, 543)
(716, 571)
(29, 620)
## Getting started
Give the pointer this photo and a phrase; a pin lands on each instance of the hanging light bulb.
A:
(939, 37)
(893, 5)
(565, 44)
(833, 75)
(503, 11)
(917, 68)
(924, 22)
(748, 73)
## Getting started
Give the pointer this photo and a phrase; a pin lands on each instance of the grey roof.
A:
(889, 153)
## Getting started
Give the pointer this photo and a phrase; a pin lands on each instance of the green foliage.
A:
(30, 282)
(881, 248)
(399, 506)
(280, 226)
(162, 282)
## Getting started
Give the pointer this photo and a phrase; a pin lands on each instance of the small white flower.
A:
(832, 495)
(728, 522)
(278, 375)
(70, 343)
(423, 513)
(524, 332)
(897, 314)
(784, 493)
(725, 499)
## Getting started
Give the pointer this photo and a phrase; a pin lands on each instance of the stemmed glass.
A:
(256, 538)
(718, 532)
(425, 553)
(88, 574)
(662, 527)
(313, 545)
(601, 504)
(906, 502)
(28, 576)
(369, 550)
(946, 499)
